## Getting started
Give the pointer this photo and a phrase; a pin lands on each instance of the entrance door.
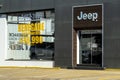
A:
(90, 47)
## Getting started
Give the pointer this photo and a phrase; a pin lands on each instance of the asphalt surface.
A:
(57, 74)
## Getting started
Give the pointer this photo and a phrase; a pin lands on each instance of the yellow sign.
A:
(36, 39)
(31, 29)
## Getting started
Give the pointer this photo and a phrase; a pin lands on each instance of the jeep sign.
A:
(87, 16)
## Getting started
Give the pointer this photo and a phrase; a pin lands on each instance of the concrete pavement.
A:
(57, 74)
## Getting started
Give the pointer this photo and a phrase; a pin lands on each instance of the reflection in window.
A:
(31, 35)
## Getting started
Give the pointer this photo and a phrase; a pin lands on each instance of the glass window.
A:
(31, 35)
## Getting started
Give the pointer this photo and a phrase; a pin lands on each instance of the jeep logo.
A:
(88, 16)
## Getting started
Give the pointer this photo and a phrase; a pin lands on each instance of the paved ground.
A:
(57, 74)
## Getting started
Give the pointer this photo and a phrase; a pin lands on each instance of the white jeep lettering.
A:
(89, 16)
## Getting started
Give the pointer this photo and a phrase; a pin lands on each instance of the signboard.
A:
(87, 16)
(22, 36)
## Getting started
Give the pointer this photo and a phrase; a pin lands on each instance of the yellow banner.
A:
(31, 29)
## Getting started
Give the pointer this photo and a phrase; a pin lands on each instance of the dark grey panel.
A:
(1, 1)
(42, 4)
(63, 3)
(63, 31)
(112, 1)
(65, 64)
(112, 47)
(111, 33)
(5, 6)
(24, 5)
(20, 5)
(63, 47)
(94, 1)
(112, 62)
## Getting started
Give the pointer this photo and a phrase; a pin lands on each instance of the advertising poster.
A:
(24, 35)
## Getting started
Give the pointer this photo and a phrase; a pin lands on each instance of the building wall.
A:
(112, 33)
(25, 5)
(63, 26)
(64, 39)
(111, 27)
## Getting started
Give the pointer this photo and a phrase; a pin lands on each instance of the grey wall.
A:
(63, 24)
(5, 5)
(63, 31)
(112, 33)
(25, 5)
(63, 37)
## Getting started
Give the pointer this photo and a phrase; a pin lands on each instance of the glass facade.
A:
(90, 47)
(31, 35)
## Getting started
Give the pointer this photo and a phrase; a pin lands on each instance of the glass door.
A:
(90, 47)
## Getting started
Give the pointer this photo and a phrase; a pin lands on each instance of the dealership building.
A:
(60, 33)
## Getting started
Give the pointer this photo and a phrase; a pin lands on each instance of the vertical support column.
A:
(74, 56)
(78, 43)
